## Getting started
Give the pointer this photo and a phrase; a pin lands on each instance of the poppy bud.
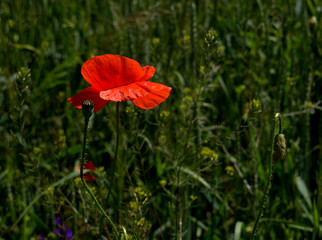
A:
(279, 148)
(87, 108)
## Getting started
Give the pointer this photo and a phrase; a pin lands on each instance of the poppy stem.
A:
(114, 164)
(277, 129)
(87, 187)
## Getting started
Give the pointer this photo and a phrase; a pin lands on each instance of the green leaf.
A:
(300, 184)
(39, 222)
(124, 233)
(59, 182)
(289, 224)
(316, 217)
(196, 176)
(239, 227)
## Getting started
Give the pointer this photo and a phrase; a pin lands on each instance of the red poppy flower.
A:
(115, 78)
(88, 165)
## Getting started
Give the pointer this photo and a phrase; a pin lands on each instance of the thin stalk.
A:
(277, 121)
(87, 187)
(114, 164)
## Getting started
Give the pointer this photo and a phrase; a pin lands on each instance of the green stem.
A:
(277, 121)
(114, 164)
(87, 187)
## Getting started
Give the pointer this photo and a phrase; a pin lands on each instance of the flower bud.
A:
(279, 148)
(87, 108)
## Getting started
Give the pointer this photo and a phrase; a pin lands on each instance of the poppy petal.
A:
(88, 165)
(89, 93)
(157, 92)
(127, 92)
(111, 71)
(157, 95)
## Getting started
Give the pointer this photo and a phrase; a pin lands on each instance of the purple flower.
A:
(62, 230)
(69, 233)
(57, 232)
(59, 222)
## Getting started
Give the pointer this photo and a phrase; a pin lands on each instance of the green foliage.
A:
(193, 168)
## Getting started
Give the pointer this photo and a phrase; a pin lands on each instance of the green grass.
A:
(196, 166)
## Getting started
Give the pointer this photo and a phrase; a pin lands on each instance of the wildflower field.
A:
(160, 119)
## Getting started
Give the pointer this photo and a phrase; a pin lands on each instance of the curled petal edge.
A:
(145, 95)
(89, 93)
(153, 98)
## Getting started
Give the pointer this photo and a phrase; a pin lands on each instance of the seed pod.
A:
(87, 108)
(279, 148)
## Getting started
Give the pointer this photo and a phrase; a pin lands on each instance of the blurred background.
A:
(196, 166)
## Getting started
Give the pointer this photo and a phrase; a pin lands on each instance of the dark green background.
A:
(265, 58)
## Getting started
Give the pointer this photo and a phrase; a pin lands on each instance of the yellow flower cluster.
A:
(255, 104)
(206, 152)
(164, 114)
(230, 170)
